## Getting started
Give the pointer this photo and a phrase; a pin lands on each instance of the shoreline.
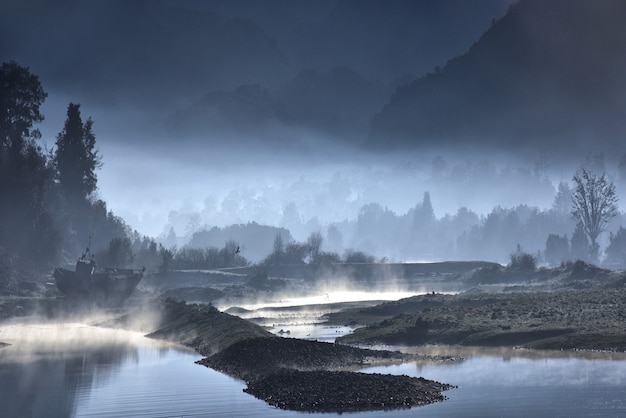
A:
(566, 309)
(265, 361)
(590, 319)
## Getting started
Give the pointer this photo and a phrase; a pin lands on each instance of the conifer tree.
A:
(76, 157)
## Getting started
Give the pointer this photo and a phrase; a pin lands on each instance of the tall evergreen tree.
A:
(76, 157)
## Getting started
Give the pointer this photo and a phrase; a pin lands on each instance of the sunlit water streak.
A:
(302, 316)
(327, 297)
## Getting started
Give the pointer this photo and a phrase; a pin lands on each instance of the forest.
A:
(51, 210)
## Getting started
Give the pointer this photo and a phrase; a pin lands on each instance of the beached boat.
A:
(86, 281)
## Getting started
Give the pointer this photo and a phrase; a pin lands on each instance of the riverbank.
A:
(320, 375)
(592, 319)
(574, 307)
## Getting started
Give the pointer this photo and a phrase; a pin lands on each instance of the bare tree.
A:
(314, 243)
(594, 203)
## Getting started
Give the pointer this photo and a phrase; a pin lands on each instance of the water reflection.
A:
(46, 365)
(508, 382)
(73, 370)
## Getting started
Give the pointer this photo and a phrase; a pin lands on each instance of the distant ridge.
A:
(549, 73)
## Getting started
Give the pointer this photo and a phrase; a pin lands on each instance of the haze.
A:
(213, 113)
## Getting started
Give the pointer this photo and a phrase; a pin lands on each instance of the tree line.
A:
(568, 231)
(49, 207)
(49, 203)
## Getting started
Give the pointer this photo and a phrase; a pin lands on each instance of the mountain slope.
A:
(548, 74)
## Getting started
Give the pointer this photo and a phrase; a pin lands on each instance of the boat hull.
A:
(111, 286)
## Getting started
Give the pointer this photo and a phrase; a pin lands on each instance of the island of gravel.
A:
(287, 373)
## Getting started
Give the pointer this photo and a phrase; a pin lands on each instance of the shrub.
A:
(522, 261)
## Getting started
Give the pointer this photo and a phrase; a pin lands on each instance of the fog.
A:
(335, 115)
(319, 183)
(209, 188)
(36, 340)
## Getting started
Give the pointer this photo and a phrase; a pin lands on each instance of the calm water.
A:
(496, 386)
(73, 370)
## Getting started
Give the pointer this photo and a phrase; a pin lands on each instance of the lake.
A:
(75, 370)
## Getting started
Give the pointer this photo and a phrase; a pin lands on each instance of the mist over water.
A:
(74, 369)
(409, 131)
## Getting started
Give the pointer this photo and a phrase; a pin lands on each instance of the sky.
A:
(143, 69)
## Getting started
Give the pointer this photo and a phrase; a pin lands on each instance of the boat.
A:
(103, 286)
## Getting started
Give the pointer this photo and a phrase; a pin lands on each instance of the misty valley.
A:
(366, 207)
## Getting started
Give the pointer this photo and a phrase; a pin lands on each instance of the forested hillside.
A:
(547, 75)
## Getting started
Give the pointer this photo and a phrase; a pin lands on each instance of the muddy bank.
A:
(593, 319)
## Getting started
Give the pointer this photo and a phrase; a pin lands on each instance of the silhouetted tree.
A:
(579, 244)
(616, 251)
(557, 249)
(21, 95)
(146, 252)
(230, 254)
(314, 243)
(594, 203)
(26, 227)
(167, 256)
(279, 249)
(119, 253)
(80, 214)
(563, 199)
(257, 239)
(295, 253)
(334, 238)
(359, 257)
(326, 258)
(522, 262)
(76, 157)
(425, 214)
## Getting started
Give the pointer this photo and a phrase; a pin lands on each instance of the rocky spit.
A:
(314, 376)
(340, 391)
